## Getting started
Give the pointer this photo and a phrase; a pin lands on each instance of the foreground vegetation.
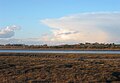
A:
(59, 68)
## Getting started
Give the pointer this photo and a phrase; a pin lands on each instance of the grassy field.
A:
(59, 68)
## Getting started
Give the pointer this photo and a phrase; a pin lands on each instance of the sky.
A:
(59, 21)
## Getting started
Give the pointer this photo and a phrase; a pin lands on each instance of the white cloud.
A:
(85, 27)
(8, 31)
(27, 41)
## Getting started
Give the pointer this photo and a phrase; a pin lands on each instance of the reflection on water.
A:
(60, 51)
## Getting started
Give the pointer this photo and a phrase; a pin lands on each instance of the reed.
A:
(59, 68)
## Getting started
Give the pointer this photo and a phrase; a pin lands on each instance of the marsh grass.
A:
(58, 68)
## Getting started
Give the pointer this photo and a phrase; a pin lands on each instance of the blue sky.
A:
(28, 15)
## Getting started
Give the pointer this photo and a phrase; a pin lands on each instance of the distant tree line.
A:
(67, 46)
(90, 46)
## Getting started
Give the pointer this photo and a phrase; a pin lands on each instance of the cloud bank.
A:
(27, 41)
(8, 31)
(85, 27)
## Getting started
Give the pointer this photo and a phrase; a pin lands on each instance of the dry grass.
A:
(59, 68)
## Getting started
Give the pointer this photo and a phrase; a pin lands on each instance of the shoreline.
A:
(50, 49)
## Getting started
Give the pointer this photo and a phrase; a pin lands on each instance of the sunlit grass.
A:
(60, 68)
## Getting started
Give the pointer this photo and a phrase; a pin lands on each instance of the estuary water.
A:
(63, 51)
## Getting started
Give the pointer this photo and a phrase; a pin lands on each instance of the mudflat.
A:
(59, 68)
